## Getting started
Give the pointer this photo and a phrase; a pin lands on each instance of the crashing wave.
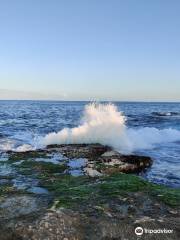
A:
(103, 123)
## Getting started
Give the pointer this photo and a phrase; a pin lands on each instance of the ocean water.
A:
(151, 129)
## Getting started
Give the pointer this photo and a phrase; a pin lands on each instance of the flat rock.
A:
(68, 225)
(103, 159)
(112, 162)
(18, 206)
(80, 150)
(110, 154)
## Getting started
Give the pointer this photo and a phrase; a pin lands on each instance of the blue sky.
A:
(90, 49)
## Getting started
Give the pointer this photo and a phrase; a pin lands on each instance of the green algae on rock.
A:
(17, 156)
(73, 191)
(41, 166)
(6, 189)
(105, 204)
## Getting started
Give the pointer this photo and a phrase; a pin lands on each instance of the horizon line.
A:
(105, 100)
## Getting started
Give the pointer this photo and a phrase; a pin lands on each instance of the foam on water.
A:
(10, 145)
(103, 123)
(17, 146)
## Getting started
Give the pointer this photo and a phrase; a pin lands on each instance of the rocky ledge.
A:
(79, 192)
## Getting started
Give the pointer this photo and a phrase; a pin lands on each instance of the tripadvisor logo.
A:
(139, 231)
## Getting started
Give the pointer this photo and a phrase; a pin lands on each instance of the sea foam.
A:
(103, 123)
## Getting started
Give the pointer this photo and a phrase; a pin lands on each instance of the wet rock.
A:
(80, 150)
(20, 209)
(110, 154)
(92, 172)
(54, 225)
(17, 206)
(70, 225)
(108, 208)
(112, 162)
(103, 159)
(144, 219)
(18, 156)
(103, 204)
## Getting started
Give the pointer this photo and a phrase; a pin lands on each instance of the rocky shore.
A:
(79, 192)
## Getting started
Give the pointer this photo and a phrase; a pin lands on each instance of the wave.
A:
(9, 145)
(19, 143)
(165, 114)
(103, 123)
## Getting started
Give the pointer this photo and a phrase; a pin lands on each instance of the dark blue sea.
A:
(24, 122)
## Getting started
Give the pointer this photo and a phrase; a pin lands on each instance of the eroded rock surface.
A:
(110, 221)
(102, 159)
(65, 224)
(79, 192)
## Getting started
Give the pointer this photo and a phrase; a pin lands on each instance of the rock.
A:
(112, 162)
(18, 156)
(18, 206)
(101, 159)
(56, 225)
(110, 154)
(80, 150)
(65, 224)
(144, 219)
(109, 207)
(92, 172)
(99, 206)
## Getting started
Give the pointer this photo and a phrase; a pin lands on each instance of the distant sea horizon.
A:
(123, 101)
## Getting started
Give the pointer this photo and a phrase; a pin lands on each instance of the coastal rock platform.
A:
(82, 192)
(103, 159)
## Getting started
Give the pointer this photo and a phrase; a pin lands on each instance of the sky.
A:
(90, 50)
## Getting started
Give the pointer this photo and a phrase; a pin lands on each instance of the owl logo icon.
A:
(139, 231)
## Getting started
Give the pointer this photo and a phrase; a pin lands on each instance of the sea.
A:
(145, 128)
